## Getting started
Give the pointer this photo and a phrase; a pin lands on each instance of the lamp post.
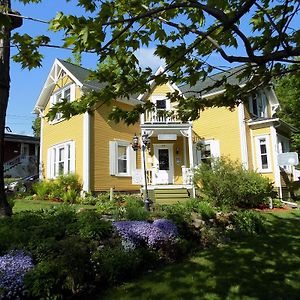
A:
(135, 146)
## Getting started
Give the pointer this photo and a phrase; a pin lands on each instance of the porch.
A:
(168, 160)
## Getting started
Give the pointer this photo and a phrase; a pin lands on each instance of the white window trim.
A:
(52, 159)
(260, 95)
(258, 153)
(113, 158)
(214, 150)
(72, 87)
(282, 140)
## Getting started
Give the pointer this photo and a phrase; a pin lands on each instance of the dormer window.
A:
(258, 105)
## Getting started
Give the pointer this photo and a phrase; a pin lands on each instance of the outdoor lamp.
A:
(135, 143)
(135, 146)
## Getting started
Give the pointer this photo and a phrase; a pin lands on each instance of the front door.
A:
(163, 164)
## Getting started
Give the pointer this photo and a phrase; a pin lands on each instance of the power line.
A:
(27, 18)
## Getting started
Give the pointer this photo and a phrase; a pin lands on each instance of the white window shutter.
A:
(196, 155)
(72, 157)
(72, 92)
(132, 160)
(112, 158)
(215, 149)
(49, 163)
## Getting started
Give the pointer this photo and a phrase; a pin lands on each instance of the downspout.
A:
(41, 115)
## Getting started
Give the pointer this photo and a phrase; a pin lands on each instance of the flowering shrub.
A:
(167, 227)
(154, 235)
(13, 267)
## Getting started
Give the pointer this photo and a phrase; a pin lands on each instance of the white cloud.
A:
(147, 58)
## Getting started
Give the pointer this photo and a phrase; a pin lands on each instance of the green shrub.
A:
(277, 203)
(226, 182)
(248, 222)
(90, 225)
(113, 264)
(135, 209)
(64, 272)
(46, 281)
(43, 189)
(66, 188)
(204, 208)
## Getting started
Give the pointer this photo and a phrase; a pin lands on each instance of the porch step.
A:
(170, 196)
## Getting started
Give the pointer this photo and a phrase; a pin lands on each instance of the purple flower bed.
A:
(13, 267)
(154, 235)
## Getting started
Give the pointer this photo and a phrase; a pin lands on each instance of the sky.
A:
(26, 85)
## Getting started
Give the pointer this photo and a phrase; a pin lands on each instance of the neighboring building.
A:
(100, 151)
(20, 155)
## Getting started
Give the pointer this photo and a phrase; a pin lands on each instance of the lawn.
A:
(24, 204)
(262, 267)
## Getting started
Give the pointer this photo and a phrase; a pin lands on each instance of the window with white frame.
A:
(162, 105)
(284, 146)
(66, 93)
(263, 156)
(205, 151)
(122, 158)
(61, 159)
(258, 105)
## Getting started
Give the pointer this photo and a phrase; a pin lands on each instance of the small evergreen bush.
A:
(227, 183)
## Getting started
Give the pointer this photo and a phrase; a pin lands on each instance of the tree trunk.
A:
(5, 209)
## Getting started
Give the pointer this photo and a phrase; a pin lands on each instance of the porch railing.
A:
(187, 175)
(19, 160)
(161, 117)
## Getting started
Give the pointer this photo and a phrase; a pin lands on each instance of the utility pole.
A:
(5, 34)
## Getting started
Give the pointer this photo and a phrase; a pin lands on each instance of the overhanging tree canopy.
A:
(259, 34)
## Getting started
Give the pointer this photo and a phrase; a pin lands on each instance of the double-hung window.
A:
(122, 158)
(61, 159)
(205, 151)
(263, 156)
(67, 94)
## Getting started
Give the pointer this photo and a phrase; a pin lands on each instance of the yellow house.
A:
(100, 151)
(91, 146)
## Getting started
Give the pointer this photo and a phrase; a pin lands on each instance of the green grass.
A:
(24, 204)
(261, 267)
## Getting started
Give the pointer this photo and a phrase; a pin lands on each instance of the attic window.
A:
(67, 93)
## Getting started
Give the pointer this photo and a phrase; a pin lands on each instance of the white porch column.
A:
(191, 156)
